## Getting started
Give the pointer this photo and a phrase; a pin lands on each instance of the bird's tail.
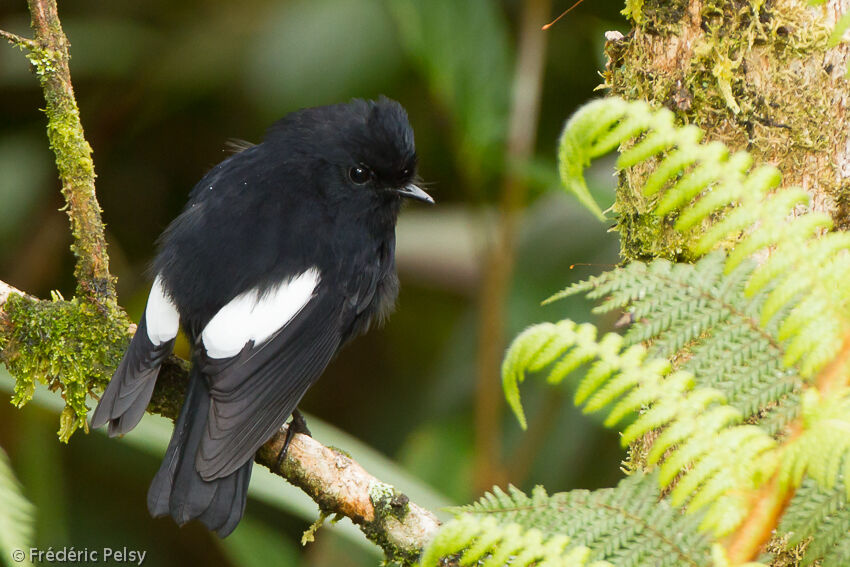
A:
(178, 489)
(126, 397)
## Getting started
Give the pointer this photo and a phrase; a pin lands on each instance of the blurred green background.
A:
(162, 86)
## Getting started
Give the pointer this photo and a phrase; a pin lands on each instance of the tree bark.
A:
(758, 76)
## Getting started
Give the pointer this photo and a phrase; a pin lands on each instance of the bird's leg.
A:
(296, 425)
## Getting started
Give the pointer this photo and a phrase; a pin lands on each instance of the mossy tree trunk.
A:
(756, 75)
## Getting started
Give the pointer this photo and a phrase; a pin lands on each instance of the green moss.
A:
(647, 236)
(661, 17)
(76, 170)
(634, 10)
(842, 202)
(389, 505)
(43, 61)
(72, 346)
(309, 534)
(643, 234)
(750, 74)
(64, 129)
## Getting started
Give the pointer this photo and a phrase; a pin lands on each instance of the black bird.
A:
(285, 251)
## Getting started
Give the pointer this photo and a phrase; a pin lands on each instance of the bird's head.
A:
(368, 146)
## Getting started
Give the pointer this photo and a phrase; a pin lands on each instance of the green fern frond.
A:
(717, 199)
(629, 526)
(718, 352)
(703, 435)
(696, 314)
(822, 450)
(822, 515)
(487, 543)
(16, 515)
(692, 179)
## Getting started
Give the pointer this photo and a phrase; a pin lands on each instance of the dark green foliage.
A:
(629, 526)
(701, 319)
(815, 510)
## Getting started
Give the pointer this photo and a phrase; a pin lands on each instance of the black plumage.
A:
(284, 252)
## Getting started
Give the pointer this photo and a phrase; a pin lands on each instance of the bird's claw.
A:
(296, 425)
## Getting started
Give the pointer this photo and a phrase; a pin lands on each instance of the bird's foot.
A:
(296, 425)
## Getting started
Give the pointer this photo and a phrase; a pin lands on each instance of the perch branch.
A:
(337, 483)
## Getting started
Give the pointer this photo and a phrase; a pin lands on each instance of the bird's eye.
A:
(359, 174)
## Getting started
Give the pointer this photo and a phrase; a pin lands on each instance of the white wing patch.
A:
(250, 316)
(161, 315)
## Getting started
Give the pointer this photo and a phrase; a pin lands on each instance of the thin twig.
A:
(564, 13)
(18, 41)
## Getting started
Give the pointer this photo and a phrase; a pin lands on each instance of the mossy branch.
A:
(337, 483)
(18, 41)
(56, 341)
(48, 55)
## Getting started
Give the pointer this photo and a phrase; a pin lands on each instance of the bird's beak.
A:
(414, 192)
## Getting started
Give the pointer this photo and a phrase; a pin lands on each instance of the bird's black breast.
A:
(371, 294)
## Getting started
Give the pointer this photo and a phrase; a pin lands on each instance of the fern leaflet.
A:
(824, 443)
(16, 514)
(824, 513)
(702, 434)
(630, 525)
(488, 543)
(699, 316)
